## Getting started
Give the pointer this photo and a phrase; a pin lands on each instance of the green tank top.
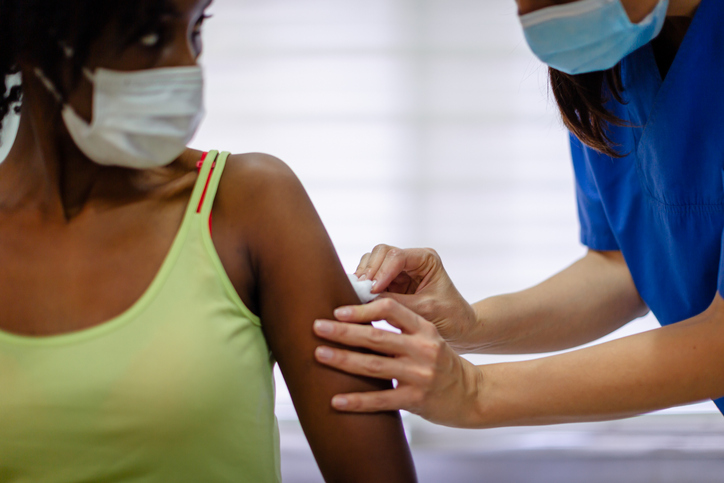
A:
(176, 389)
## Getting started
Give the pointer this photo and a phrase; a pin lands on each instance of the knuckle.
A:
(374, 365)
(341, 330)
(431, 252)
(425, 375)
(380, 248)
(378, 401)
(340, 357)
(387, 304)
(377, 336)
(431, 349)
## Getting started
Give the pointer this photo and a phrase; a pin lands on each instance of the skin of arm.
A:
(284, 266)
(591, 298)
(670, 366)
(665, 367)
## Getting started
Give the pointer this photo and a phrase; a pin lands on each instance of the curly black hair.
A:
(36, 31)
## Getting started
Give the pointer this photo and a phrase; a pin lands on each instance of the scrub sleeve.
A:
(595, 230)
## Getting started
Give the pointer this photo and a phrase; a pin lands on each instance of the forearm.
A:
(661, 368)
(584, 302)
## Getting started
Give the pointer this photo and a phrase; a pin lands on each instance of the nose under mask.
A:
(142, 119)
(589, 35)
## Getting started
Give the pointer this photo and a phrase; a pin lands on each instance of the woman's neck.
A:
(45, 170)
(667, 44)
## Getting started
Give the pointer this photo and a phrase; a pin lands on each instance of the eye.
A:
(196, 33)
(200, 23)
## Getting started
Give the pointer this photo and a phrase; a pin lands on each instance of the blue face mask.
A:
(588, 35)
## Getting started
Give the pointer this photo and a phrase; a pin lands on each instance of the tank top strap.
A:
(199, 193)
(211, 171)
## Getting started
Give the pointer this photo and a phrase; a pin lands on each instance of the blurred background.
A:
(429, 123)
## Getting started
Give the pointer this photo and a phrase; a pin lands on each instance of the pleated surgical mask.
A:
(589, 35)
(142, 119)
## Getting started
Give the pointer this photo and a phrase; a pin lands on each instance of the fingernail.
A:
(323, 327)
(374, 282)
(340, 402)
(362, 277)
(324, 353)
(343, 312)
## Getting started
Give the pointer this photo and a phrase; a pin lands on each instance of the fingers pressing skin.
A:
(432, 380)
(367, 365)
(368, 402)
(365, 336)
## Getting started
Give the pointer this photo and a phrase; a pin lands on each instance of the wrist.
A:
(474, 338)
(464, 340)
(463, 406)
(490, 409)
(476, 410)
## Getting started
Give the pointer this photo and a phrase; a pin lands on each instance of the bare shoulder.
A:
(254, 167)
(260, 213)
(257, 191)
(257, 179)
(258, 169)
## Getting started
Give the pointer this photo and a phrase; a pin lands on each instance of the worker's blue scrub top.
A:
(662, 204)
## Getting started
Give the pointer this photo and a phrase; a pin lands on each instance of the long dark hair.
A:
(37, 30)
(581, 100)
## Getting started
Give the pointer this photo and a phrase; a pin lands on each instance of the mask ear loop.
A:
(48, 84)
(69, 53)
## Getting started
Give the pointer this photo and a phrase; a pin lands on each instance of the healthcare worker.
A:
(639, 85)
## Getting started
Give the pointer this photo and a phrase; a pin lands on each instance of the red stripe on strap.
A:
(199, 165)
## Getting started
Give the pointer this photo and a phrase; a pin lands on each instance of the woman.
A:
(647, 147)
(136, 344)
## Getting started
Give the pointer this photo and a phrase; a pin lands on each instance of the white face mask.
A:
(141, 119)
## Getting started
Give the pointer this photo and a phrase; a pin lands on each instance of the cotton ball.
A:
(362, 288)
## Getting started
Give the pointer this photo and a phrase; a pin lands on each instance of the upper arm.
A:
(299, 279)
